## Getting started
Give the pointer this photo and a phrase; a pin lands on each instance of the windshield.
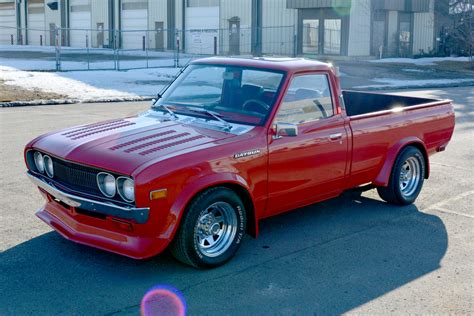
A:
(235, 94)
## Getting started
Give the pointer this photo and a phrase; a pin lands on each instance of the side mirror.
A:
(285, 129)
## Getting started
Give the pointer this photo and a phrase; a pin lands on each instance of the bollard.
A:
(11, 38)
(41, 40)
(215, 45)
(143, 43)
(177, 51)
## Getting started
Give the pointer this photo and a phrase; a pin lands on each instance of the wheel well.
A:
(244, 195)
(248, 204)
(422, 149)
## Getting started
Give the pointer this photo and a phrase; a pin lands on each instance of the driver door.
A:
(310, 166)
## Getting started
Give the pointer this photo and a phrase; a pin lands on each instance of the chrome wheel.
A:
(216, 229)
(410, 175)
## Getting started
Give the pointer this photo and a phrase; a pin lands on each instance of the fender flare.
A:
(193, 188)
(384, 174)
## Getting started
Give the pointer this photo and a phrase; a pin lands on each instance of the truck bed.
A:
(358, 103)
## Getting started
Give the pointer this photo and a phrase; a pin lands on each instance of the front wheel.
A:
(211, 230)
(406, 179)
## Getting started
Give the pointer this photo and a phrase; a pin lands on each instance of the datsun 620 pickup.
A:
(228, 143)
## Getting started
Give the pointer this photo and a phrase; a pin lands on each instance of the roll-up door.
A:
(7, 23)
(79, 23)
(134, 23)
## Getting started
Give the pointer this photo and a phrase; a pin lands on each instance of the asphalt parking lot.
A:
(354, 254)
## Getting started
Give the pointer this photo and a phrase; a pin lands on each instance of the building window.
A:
(332, 36)
(405, 35)
(310, 36)
(379, 32)
(203, 3)
(134, 5)
(35, 6)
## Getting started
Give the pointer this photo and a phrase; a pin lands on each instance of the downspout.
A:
(183, 34)
(25, 8)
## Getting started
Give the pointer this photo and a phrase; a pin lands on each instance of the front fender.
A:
(384, 174)
(192, 188)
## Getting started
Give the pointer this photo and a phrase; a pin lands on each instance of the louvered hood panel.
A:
(123, 145)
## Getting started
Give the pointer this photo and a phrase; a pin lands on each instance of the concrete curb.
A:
(68, 101)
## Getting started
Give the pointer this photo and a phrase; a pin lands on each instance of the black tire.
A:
(393, 192)
(188, 246)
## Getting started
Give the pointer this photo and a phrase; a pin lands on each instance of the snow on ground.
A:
(426, 61)
(399, 83)
(87, 86)
(417, 70)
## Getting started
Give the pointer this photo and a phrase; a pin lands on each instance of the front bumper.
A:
(139, 215)
(61, 212)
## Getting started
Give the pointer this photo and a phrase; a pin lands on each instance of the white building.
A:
(281, 27)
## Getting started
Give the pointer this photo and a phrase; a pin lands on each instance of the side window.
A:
(307, 99)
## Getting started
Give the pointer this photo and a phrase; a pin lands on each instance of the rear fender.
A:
(384, 175)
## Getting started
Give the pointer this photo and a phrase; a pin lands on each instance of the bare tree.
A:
(456, 21)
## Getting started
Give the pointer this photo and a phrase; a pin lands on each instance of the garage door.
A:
(36, 26)
(79, 23)
(202, 24)
(134, 22)
(7, 23)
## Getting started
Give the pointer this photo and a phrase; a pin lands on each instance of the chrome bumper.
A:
(139, 215)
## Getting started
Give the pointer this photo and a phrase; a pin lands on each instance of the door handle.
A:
(336, 136)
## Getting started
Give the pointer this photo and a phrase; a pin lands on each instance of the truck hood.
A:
(123, 145)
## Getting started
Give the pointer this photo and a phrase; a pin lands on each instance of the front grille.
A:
(76, 177)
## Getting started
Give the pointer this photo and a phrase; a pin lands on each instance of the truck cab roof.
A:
(274, 63)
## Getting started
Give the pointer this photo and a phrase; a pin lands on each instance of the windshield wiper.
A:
(167, 109)
(215, 115)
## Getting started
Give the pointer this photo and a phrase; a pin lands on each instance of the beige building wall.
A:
(359, 28)
(279, 27)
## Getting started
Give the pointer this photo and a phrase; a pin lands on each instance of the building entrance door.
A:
(159, 36)
(322, 32)
(234, 36)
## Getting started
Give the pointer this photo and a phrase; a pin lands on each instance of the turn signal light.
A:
(158, 194)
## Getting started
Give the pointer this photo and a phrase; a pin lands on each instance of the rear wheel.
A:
(211, 230)
(406, 179)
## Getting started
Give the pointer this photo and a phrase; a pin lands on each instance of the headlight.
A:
(39, 161)
(106, 183)
(48, 166)
(126, 188)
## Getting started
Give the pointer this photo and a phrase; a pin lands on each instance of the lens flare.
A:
(163, 300)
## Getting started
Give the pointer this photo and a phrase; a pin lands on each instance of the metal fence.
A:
(94, 49)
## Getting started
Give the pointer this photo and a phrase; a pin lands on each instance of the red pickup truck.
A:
(230, 142)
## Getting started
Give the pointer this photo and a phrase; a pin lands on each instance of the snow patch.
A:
(93, 86)
(399, 83)
(427, 61)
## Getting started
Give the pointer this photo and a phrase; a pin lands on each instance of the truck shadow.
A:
(327, 258)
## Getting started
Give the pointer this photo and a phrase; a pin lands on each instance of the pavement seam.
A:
(447, 211)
